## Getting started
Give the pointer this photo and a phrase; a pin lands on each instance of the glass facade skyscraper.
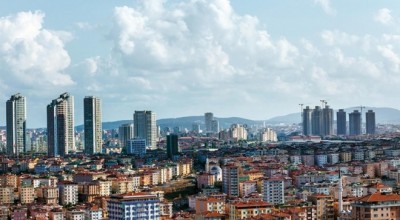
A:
(16, 124)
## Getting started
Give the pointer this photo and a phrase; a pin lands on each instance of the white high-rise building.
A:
(238, 132)
(92, 125)
(145, 127)
(273, 190)
(16, 124)
(60, 126)
(68, 193)
(268, 134)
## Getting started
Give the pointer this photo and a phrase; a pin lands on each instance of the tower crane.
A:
(323, 102)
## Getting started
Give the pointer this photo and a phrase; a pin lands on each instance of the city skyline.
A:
(213, 120)
(229, 52)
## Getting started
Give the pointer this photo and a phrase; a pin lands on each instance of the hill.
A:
(383, 115)
(183, 122)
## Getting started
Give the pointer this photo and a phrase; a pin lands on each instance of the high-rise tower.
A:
(316, 121)
(172, 145)
(307, 112)
(370, 121)
(125, 133)
(92, 125)
(230, 180)
(341, 122)
(16, 124)
(355, 123)
(60, 126)
(208, 117)
(327, 121)
(145, 127)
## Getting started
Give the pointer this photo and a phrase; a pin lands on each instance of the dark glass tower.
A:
(172, 145)
(341, 122)
(327, 121)
(316, 121)
(370, 122)
(307, 121)
(355, 123)
(92, 125)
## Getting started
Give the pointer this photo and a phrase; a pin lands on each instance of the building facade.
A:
(60, 126)
(341, 121)
(370, 122)
(208, 118)
(230, 180)
(327, 121)
(355, 123)
(273, 190)
(16, 124)
(125, 133)
(172, 145)
(145, 127)
(238, 132)
(134, 206)
(137, 146)
(376, 206)
(92, 125)
(307, 113)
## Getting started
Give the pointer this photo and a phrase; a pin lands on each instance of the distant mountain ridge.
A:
(183, 122)
(384, 115)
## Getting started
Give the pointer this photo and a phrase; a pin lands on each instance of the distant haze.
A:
(383, 115)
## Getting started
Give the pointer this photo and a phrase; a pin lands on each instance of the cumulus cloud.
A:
(206, 38)
(32, 54)
(326, 6)
(387, 51)
(194, 55)
(384, 16)
(338, 38)
(191, 48)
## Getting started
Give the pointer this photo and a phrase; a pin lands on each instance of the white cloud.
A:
(326, 6)
(387, 51)
(206, 51)
(35, 55)
(92, 65)
(206, 36)
(336, 37)
(384, 16)
(189, 57)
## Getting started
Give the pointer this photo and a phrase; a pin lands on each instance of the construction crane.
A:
(301, 109)
(323, 103)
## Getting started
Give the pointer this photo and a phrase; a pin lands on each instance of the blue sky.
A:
(254, 59)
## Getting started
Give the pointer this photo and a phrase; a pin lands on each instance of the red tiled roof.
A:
(379, 197)
(251, 204)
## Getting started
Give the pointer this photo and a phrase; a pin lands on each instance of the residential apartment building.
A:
(273, 190)
(230, 180)
(134, 206)
(68, 193)
(243, 210)
(376, 206)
